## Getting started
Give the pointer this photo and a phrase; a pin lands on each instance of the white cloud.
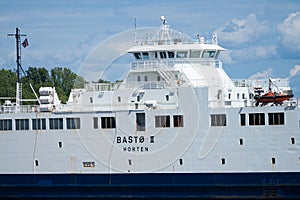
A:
(295, 71)
(243, 31)
(289, 31)
(262, 75)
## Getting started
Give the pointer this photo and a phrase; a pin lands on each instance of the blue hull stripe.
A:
(154, 185)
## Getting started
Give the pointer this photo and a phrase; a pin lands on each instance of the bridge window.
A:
(218, 120)
(145, 55)
(5, 125)
(256, 119)
(194, 54)
(137, 56)
(171, 54)
(178, 120)
(163, 54)
(209, 54)
(276, 118)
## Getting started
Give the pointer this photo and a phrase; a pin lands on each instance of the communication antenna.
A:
(18, 35)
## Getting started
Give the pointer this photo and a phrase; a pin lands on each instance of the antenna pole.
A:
(17, 35)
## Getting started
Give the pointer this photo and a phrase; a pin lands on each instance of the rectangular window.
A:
(95, 122)
(243, 119)
(256, 119)
(178, 120)
(182, 54)
(162, 121)
(56, 123)
(276, 118)
(108, 122)
(5, 125)
(171, 54)
(38, 124)
(88, 164)
(73, 123)
(140, 121)
(218, 120)
(22, 124)
(194, 54)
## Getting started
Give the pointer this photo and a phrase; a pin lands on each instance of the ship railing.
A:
(279, 82)
(102, 86)
(18, 109)
(148, 85)
(169, 63)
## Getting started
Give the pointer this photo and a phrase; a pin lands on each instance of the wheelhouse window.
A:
(145, 55)
(276, 118)
(22, 124)
(178, 120)
(209, 54)
(5, 125)
(73, 123)
(218, 120)
(39, 124)
(137, 56)
(182, 54)
(194, 54)
(56, 123)
(108, 122)
(162, 121)
(171, 54)
(163, 54)
(256, 119)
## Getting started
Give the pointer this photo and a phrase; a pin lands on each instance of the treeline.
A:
(63, 79)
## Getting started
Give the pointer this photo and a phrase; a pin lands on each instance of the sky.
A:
(262, 37)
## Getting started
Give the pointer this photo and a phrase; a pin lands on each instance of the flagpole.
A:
(18, 61)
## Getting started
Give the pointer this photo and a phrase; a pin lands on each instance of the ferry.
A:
(176, 126)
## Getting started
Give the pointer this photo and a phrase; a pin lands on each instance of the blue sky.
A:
(262, 37)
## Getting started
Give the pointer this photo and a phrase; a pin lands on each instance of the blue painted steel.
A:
(152, 185)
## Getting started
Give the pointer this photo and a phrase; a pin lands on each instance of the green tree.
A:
(8, 81)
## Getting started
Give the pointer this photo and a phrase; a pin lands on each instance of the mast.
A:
(19, 67)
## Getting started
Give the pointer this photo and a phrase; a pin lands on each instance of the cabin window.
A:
(171, 54)
(158, 78)
(167, 97)
(36, 162)
(137, 56)
(243, 119)
(5, 125)
(218, 120)
(38, 124)
(145, 55)
(151, 139)
(22, 124)
(209, 54)
(91, 99)
(180, 161)
(138, 78)
(56, 123)
(140, 121)
(108, 122)
(292, 140)
(276, 118)
(243, 96)
(229, 96)
(73, 123)
(256, 119)
(95, 122)
(119, 99)
(238, 96)
(194, 54)
(88, 164)
(273, 161)
(129, 162)
(162, 121)
(163, 54)
(223, 161)
(182, 54)
(146, 78)
(59, 144)
(178, 120)
(241, 141)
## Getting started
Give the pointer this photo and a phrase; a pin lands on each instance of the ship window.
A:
(60, 144)
(194, 54)
(171, 54)
(218, 120)
(38, 124)
(5, 125)
(73, 123)
(129, 162)
(95, 122)
(137, 56)
(88, 164)
(167, 97)
(256, 119)
(243, 96)
(182, 54)
(158, 78)
(292, 140)
(162, 121)
(56, 123)
(241, 141)
(91, 99)
(237, 95)
(181, 161)
(178, 120)
(229, 96)
(140, 121)
(243, 119)
(163, 54)
(276, 118)
(22, 124)
(273, 161)
(223, 161)
(138, 78)
(108, 122)
(36, 162)
(209, 54)
(145, 55)
(146, 78)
